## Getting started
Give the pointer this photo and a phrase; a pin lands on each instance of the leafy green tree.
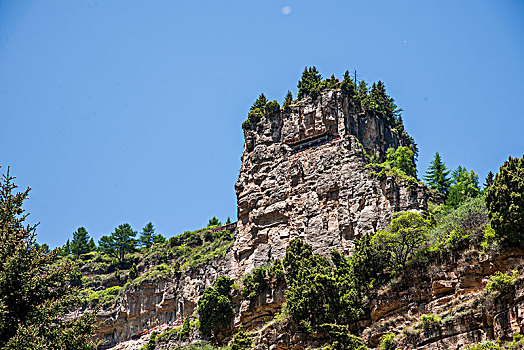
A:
(119, 242)
(80, 242)
(505, 201)
(44, 247)
(228, 221)
(215, 308)
(310, 83)
(403, 159)
(35, 292)
(368, 264)
(402, 240)
(288, 100)
(437, 176)
(296, 252)
(147, 236)
(362, 89)
(213, 222)
(464, 185)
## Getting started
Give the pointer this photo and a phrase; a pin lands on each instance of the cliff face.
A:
(160, 301)
(303, 176)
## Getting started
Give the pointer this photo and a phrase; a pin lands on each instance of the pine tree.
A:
(362, 95)
(35, 291)
(489, 180)
(228, 221)
(80, 242)
(332, 82)
(310, 83)
(119, 243)
(260, 103)
(348, 86)
(256, 113)
(66, 249)
(288, 100)
(92, 245)
(213, 222)
(147, 237)
(437, 176)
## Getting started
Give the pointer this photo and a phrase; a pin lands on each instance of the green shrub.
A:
(429, 320)
(487, 345)
(254, 284)
(197, 346)
(104, 297)
(185, 331)
(256, 113)
(341, 338)
(151, 343)
(457, 238)
(272, 107)
(387, 341)
(490, 238)
(241, 341)
(470, 218)
(501, 282)
(215, 309)
(276, 274)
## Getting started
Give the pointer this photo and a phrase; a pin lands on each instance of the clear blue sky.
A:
(130, 111)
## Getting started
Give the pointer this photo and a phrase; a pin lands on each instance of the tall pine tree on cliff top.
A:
(80, 242)
(437, 176)
(119, 243)
(309, 84)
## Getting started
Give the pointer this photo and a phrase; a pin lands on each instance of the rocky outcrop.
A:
(303, 175)
(162, 300)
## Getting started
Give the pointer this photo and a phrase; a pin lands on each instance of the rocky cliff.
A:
(306, 174)
(303, 175)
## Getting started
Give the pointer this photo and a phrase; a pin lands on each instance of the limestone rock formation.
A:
(303, 175)
(162, 301)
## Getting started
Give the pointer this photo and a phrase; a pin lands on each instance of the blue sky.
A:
(131, 111)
